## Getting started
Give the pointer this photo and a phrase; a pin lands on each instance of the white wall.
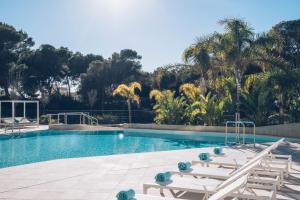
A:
(283, 130)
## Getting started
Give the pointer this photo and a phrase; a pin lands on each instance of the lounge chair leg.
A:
(286, 174)
(174, 193)
(206, 196)
(281, 178)
(145, 189)
(161, 190)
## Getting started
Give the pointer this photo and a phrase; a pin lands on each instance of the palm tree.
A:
(168, 108)
(192, 92)
(276, 52)
(198, 54)
(284, 85)
(226, 52)
(128, 91)
(214, 109)
(196, 102)
(257, 99)
(235, 43)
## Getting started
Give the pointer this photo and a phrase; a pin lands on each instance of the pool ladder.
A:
(237, 131)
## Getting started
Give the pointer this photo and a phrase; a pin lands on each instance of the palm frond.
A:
(122, 90)
(156, 94)
(135, 85)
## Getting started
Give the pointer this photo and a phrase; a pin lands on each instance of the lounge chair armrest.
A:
(196, 162)
(265, 182)
(203, 163)
(280, 156)
(276, 156)
(216, 156)
(274, 174)
(146, 186)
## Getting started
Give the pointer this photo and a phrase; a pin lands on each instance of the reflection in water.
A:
(49, 145)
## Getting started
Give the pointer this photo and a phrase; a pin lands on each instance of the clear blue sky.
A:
(159, 30)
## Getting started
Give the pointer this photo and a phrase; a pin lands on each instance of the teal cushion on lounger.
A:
(203, 156)
(218, 150)
(163, 177)
(126, 194)
(184, 166)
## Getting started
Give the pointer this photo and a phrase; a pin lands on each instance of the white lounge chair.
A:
(219, 173)
(206, 186)
(237, 189)
(151, 197)
(224, 192)
(232, 186)
(271, 162)
(240, 189)
(278, 162)
(223, 173)
(228, 159)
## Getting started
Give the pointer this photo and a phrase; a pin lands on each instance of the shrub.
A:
(44, 119)
(108, 119)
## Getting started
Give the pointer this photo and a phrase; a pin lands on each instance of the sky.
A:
(159, 30)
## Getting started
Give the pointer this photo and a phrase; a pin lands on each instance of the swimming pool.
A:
(49, 145)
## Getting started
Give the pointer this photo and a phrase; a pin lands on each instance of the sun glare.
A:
(116, 7)
(120, 4)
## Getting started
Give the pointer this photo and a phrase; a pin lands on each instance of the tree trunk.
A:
(69, 87)
(49, 87)
(102, 99)
(6, 91)
(281, 108)
(57, 87)
(129, 111)
(238, 93)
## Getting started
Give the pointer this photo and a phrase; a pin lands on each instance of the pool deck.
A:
(101, 177)
(46, 127)
(24, 130)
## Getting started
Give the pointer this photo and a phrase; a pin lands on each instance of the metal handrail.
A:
(91, 119)
(237, 131)
(243, 123)
(82, 118)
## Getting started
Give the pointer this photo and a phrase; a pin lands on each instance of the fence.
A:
(110, 116)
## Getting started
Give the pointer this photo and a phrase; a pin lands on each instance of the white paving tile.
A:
(101, 177)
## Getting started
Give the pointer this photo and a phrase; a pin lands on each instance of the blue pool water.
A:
(49, 145)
